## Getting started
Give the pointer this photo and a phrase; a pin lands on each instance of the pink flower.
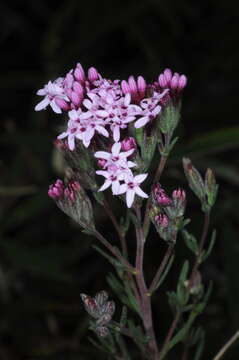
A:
(131, 187)
(54, 95)
(116, 157)
(128, 144)
(151, 109)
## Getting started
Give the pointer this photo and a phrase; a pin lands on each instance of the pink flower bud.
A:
(174, 82)
(182, 82)
(160, 196)
(168, 75)
(128, 144)
(93, 74)
(141, 83)
(179, 194)
(68, 81)
(125, 87)
(79, 73)
(75, 98)
(132, 85)
(56, 190)
(62, 103)
(69, 194)
(78, 88)
(101, 163)
(75, 185)
(161, 220)
(163, 83)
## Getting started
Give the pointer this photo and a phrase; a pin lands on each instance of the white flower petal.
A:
(140, 192)
(115, 187)
(116, 133)
(102, 155)
(55, 107)
(122, 189)
(141, 122)
(102, 130)
(103, 173)
(42, 105)
(140, 178)
(130, 197)
(116, 148)
(105, 186)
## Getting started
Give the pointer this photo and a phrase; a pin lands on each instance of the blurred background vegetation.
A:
(45, 261)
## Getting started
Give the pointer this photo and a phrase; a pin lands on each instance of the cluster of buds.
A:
(101, 310)
(167, 212)
(72, 200)
(104, 114)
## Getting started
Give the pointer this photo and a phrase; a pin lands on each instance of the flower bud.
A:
(182, 82)
(93, 74)
(141, 83)
(128, 144)
(79, 73)
(161, 220)
(163, 83)
(168, 75)
(56, 190)
(132, 85)
(195, 180)
(125, 87)
(62, 104)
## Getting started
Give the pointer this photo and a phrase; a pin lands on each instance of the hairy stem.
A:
(117, 228)
(157, 176)
(144, 294)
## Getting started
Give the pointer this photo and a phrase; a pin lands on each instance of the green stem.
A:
(169, 335)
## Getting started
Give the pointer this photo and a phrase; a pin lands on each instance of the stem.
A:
(145, 298)
(200, 249)
(226, 346)
(160, 269)
(117, 228)
(113, 250)
(170, 334)
(157, 176)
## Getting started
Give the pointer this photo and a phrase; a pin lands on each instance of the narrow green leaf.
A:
(190, 241)
(210, 247)
(168, 267)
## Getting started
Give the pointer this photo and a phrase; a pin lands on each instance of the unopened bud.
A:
(93, 74)
(125, 87)
(161, 220)
(79, 73)
(128, 144)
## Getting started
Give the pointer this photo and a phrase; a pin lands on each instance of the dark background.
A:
(45, 261)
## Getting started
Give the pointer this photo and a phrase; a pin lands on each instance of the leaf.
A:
(112, 260)
(210, 247)
(190, 241)
(168, 267)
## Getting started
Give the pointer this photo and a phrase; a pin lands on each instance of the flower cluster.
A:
(100, 110)
(167, 213)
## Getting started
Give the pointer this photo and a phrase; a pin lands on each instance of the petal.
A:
(125, 154)
(140, 192)
(140, 178)
(141, 122)
(89, 134)
(105, 186)
(156, 110)
(116, 148)
(115, 187)
(130, 197)
(103, 173)
(102, 155)
(42, 105)
(73, 114)
(55, 107)
(131, 164)
(62, 136)
(41, 92)
(87, 103)
(102, 113)
(116, 133)
(122, 189)
(86, 115)
(101, 130)
(129, 119)
(127, 99)
(71, 142)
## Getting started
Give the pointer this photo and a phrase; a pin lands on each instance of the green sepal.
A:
(190, 241)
